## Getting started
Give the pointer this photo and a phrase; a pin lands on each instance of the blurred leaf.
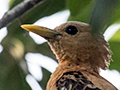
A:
(12, 76)
(46, 76)
(115, 47)
(103, 10)
(116, 14)
(48, 7)
(13, 3)
(15, 80)
(18, 35)
(76, 6)
(79, 9)
(15, 46)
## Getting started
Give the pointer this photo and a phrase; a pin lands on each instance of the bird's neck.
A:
(81, 65)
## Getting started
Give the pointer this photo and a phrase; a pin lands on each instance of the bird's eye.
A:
(72, 30)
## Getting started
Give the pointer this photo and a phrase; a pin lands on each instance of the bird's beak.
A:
(42, 31)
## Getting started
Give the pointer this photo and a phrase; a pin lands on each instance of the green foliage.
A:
(115, 47)
(79, 9)
(115, 14)
(101, 16)
(48, 7)
(77, 6)
(12, 76)
(99, 13)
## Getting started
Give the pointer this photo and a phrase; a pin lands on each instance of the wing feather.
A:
(75, 81)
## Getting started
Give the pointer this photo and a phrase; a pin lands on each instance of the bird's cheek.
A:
(55, 47)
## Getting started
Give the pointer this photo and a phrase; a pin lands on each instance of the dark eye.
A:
(72, 30)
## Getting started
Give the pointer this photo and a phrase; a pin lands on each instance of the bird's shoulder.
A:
(75, 81)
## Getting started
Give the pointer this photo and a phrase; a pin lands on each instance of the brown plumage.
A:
(80, 55)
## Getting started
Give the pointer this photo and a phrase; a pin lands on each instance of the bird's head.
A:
(74, 42)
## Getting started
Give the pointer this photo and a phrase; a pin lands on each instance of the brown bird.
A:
(80, 54)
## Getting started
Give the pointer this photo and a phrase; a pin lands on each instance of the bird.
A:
(80, 54)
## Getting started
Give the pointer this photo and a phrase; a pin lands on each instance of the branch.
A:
(17, 11)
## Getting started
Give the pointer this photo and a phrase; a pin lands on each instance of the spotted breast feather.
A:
(75, 81)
